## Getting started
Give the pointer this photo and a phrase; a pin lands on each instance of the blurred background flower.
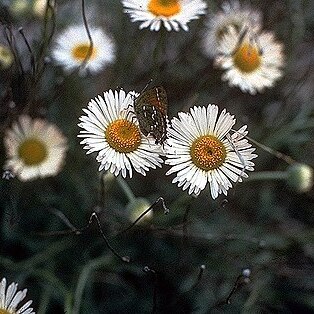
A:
(172, 14)
(35, 148)
(73, 50)
(232, 14)
(251, 61)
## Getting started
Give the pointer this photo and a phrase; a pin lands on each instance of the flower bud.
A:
(137, 207)
(246, 272)
(300, 177)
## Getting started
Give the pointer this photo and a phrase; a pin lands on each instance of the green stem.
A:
(68, 302)
(44, 300)
(84, 276)
(48, 277)
(267, 175)
(126, 189)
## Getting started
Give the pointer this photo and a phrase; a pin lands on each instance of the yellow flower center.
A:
(165, 8)
(80, 52)
(247, 57)
(32, 151)
(2, 311)
(208, 152)
(123, 136)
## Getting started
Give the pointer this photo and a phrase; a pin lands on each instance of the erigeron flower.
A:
(200, 150)
(35, 148)
(173, 14)
(10, 299)
(111, 129)
(232, 14)
(251, 61)
(73, 50)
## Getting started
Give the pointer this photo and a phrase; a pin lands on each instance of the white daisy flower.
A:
(251, 61)
(10, 299)
(35, 148)
(111, 129)
(232, 14)
(201, 150)
(72, 50)
(173, 14)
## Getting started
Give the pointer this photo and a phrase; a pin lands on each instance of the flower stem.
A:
(267, 175)
(84, 277)
(126, 189)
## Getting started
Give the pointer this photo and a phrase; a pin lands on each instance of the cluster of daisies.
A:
(201, 149)
(201, 146)
(250, 58)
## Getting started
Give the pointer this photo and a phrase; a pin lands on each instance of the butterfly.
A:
(151, 111)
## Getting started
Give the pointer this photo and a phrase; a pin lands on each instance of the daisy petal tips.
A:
(111, 129)
(200, 150)
(234, 14)
(10, 298)
(173, 14)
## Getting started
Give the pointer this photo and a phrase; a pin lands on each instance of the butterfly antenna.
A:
(147, 84)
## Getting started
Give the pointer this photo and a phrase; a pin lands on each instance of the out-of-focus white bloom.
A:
(251, 61)
(232, 14)
(173, 14)
(73, 50)
(35, 148)
(300, 177)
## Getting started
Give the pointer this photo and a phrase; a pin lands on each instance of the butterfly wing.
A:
(151, 111)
